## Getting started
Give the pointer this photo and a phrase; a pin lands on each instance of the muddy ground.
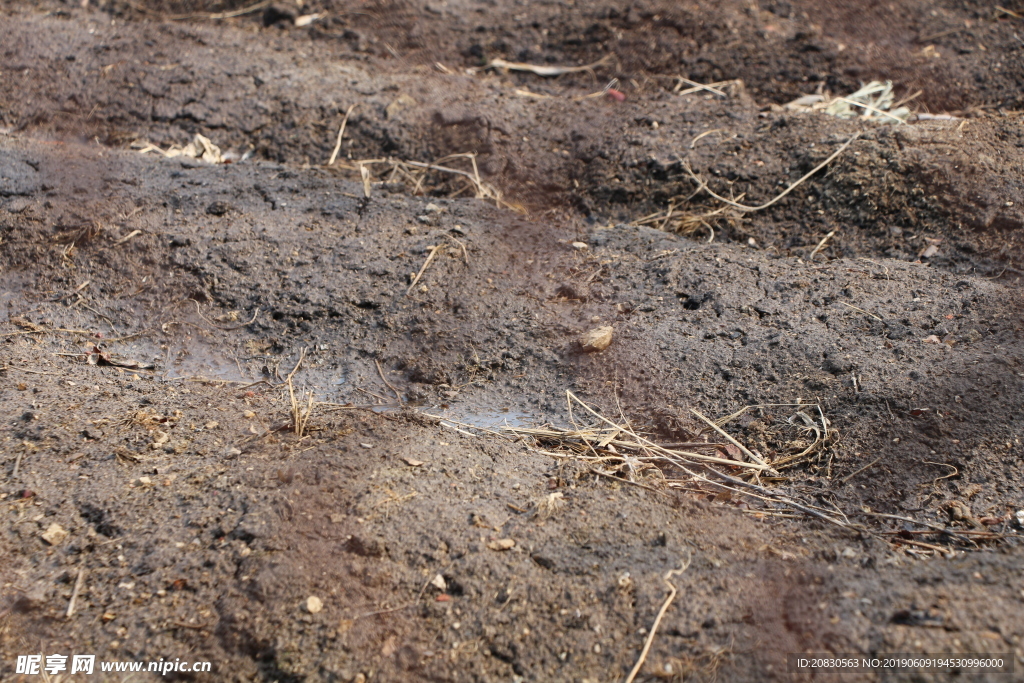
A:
(156, 309)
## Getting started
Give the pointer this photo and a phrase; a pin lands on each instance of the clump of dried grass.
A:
(617, 450)
(731, 208)
(876, 101)
(683, 222)
(550, 505)
(608, 444)
(416, 174)
(200, 148)
(300, 413)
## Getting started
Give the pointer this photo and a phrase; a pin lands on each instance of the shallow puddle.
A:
(184, 358)
(489, 419)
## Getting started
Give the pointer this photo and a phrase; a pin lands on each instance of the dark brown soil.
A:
(155, 307)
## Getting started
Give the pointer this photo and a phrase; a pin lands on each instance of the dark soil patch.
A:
(155, 308)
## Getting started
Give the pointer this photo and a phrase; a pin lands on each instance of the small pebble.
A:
(597, 339)
(54, 534)
(314, 604)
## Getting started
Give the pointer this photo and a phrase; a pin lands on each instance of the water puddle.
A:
(190, 358)
(489, 419)
(194, 358)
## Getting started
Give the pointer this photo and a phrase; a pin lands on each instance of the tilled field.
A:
(223, 384)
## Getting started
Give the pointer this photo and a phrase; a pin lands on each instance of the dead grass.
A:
(546, 70)
(615, 449)
(417, 175)
(745, 477)
(672, 592)
(683, 222)
(300, 413)
(875, 101)
(686, 222)
(550, 505)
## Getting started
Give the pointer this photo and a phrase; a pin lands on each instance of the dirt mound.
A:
(250, 411)
(552, 146)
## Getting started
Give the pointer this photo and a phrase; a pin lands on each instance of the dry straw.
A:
(415, 173)
(614, 449)
(617, 450)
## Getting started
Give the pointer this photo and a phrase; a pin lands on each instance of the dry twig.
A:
(341, 133)
(750, 209)
(302, 354)
(380, 371)
(862, 311)
(416, 171)
(546, 71)
(821, 245)
(74, 593)
(210, 322)
(657, 621)
(127, 237)
(715, 88)
(734, 442)
(204, 15)
(430, 257)
(853, 474)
